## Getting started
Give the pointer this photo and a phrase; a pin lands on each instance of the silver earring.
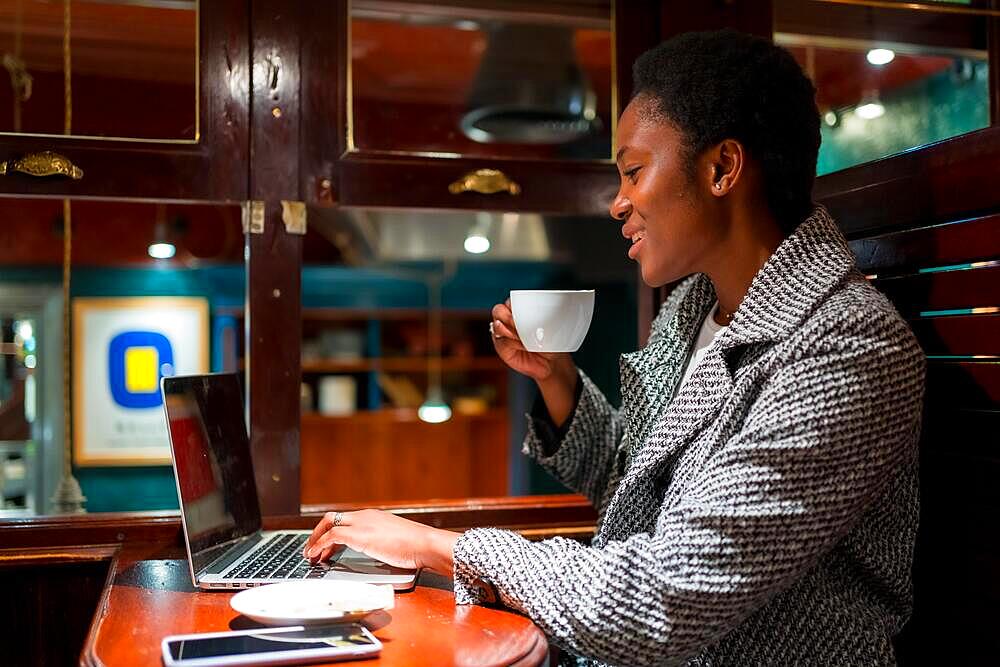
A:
(718, 186)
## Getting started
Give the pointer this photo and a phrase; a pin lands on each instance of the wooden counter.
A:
(149, 599)
(114, 585)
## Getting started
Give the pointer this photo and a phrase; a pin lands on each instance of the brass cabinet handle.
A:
(485, 181)
(45, 163)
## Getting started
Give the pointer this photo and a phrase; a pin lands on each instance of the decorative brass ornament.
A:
(486, 182)
(45, 163)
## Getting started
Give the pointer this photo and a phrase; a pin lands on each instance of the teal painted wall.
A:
(476, 285)
(115, 489)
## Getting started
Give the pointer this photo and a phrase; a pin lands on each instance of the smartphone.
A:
(271, 646)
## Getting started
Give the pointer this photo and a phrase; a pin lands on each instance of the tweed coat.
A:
(765, 513)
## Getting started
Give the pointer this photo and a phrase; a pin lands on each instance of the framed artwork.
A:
(121, 349)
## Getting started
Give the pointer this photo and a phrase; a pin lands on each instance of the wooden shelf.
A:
(401, 365)
(362, 314)
(395, 415)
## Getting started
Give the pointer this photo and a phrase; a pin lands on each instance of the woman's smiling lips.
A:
(633, 250)
(636, 234)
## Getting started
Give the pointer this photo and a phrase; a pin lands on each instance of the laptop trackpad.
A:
(355, 562)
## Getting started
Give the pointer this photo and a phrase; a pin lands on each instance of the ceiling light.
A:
(881, 56)
(161, 247)
(477, 241)
(870, 110)
(434, 410)
(162, 250)
(25, 330)
(476, 244)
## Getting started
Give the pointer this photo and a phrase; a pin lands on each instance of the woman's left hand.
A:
(383, 536)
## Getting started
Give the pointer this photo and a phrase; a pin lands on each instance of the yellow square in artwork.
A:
(141, 374)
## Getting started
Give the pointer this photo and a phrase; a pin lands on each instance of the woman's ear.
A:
(726, 162)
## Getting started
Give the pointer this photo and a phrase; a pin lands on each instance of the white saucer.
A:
(312, 601)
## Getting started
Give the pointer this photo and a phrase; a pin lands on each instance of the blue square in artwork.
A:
(136, 362)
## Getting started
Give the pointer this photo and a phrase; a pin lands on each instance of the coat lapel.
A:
(806, 267)
(649, 377)
(694, 406)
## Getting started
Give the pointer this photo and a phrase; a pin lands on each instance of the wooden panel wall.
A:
(925, 227)
(48, 603)
(380, 457)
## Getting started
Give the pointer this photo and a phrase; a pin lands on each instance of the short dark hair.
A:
(729, 85)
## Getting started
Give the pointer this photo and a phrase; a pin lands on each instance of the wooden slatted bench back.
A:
(925, 227)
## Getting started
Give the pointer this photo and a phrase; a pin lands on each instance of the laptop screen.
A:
(211, 452)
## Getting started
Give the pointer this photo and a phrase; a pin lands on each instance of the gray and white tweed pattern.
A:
(765, 513)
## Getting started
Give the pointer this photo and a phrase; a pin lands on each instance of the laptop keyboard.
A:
(279, 558)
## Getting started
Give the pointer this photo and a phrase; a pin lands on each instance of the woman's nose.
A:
(620, 207)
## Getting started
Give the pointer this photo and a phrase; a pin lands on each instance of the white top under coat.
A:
(709, 330)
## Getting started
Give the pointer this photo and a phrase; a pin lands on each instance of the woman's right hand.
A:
(539, 366)
(555, 372)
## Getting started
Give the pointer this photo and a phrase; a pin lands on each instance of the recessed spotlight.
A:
(881, 56)
(870, 110)
(476, 244)
(162, 250)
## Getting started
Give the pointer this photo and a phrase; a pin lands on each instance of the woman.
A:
(756, 492)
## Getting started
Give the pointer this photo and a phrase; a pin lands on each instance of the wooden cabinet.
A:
(390, 455)
(319, 135)
(377, 128)
(156, 107)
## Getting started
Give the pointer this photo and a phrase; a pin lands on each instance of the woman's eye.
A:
(630, 173)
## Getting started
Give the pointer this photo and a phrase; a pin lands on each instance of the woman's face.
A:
(665, 210)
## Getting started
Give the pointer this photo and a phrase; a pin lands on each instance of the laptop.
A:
(220, 512)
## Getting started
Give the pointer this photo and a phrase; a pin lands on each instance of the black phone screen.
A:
(349, 636)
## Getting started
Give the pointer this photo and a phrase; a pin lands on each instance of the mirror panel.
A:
(157, 315)
(404, 397)
(887, 79)
(484, 79)
(133, 68)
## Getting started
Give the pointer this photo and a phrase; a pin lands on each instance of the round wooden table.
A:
(147, 600)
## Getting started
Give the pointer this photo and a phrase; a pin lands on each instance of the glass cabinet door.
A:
(494, 79)
(125, 99)
(889, 79)
(100, 68)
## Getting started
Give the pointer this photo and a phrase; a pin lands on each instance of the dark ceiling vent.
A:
(529, 89)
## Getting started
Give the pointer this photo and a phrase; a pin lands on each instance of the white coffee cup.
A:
(552, 320)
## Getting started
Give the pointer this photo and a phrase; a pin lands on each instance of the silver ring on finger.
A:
(492, 332)
(338, 518)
